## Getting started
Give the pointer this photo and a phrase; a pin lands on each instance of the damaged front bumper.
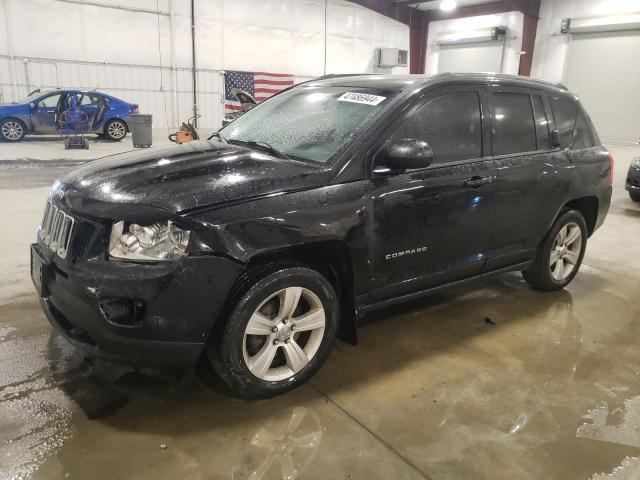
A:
(156, 314)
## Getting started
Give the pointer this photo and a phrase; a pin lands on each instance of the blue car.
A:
(39, 114)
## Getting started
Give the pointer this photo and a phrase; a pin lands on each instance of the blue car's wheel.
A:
(115, 130)
(12, 130)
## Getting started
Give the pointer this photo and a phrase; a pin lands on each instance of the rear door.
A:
(91, 105)
(432, 225)
(521, 151)
(45, 114)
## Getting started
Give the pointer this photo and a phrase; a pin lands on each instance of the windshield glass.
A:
(308, 123)
(33, 96)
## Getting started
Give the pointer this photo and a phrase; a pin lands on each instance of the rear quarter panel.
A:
(574, 174)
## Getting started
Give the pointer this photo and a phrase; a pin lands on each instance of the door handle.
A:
(477, 181)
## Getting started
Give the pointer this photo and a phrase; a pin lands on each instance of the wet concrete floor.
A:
(491, 380)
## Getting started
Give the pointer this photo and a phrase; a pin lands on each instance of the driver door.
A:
(432, 225)
(44, 115)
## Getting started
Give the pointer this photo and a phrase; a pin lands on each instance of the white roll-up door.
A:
(603, 69)
(471, 57)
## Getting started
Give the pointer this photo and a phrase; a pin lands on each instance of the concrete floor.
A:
(549, 389)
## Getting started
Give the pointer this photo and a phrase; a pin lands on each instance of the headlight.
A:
(158, 241)
(636, 161)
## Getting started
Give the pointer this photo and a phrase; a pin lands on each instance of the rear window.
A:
(584, 136)
(564, 114)
(514, 129)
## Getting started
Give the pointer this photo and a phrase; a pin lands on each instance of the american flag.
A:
(260, 85)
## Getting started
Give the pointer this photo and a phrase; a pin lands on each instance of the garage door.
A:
(471, 57)
(603, 69)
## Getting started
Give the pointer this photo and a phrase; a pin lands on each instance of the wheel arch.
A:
(111, 119)
(331, 258)
(587, 206)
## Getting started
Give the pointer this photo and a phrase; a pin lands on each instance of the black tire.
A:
(226, 348)
(539, 275)
(635, 196)
(12, 130)
(116, 130)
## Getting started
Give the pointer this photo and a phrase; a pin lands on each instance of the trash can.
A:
(140, 125)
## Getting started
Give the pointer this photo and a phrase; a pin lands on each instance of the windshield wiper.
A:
(217, 134)
(260, 145)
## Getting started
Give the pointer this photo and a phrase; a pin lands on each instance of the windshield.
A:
(33, 96)
(308, 123)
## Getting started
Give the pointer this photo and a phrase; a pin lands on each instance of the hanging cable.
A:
(164, 93)
(325, 37)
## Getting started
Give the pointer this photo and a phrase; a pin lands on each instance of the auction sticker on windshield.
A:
(365, 98)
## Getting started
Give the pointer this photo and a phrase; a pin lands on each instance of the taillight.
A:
(610, 168)
(135, 109)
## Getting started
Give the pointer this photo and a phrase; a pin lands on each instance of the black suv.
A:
(633, 179)
(255, 249)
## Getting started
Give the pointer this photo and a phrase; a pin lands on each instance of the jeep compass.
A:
(255, 249)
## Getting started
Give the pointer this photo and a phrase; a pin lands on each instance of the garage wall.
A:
(143, 56)
(601, 68)
(485, 56)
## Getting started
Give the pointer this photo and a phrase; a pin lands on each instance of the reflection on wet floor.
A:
(550, 388)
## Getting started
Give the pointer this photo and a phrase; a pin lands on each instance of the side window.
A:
(450, 124)
(584, 136)
(49, 102)
(88, 99)
(514, 129)
(542, 124)
(564, 114)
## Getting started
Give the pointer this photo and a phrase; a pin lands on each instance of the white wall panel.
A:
(130, 54)
(601, 68)
(513, 42)
(550, 53)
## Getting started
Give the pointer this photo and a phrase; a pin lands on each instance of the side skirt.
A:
(364, 309)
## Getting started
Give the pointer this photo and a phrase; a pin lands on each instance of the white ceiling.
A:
(435, 4)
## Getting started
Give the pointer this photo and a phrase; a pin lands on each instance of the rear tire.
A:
(278, 334)
(635, 196)
(12, 130)
(559, 257)
(115, 130)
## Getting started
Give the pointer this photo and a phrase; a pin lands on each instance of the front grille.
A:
(55, 230)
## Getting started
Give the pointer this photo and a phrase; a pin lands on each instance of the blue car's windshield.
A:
(308, 123)
(33, 96)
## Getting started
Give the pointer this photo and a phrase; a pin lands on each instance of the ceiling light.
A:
(448, 5)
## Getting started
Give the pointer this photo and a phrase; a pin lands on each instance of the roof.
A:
(401, 82)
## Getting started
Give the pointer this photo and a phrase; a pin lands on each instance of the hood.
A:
(179, 179)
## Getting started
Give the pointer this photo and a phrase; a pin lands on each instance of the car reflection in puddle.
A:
(285, 444)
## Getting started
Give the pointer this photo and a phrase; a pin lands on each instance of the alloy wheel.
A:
(565, 252)
(283, 334)
(117, 130)
(12, 130)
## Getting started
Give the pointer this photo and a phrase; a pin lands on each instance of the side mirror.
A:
(555, 138)
(407, 154)
(32, 105)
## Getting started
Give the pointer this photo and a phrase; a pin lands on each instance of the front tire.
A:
(278, 334)
(12, 130)
(635, 196)
(559, 257)
(115, 130)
